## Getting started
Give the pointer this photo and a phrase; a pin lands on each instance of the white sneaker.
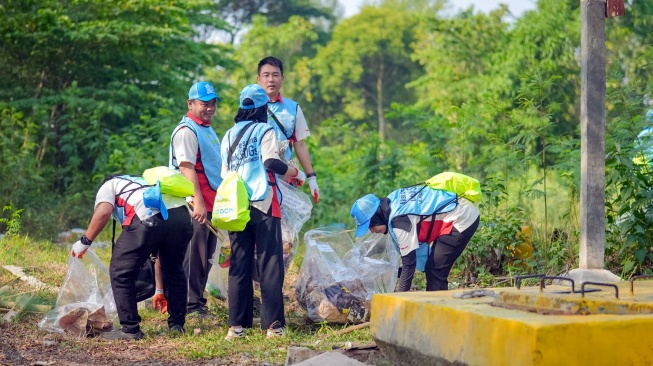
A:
(235, 333)
(277, 332)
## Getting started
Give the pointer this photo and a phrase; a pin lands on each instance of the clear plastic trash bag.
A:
(296, 209)
(338, 278)
(218, 277)
(85, 302)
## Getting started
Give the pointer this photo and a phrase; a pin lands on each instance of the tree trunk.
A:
(379, 102)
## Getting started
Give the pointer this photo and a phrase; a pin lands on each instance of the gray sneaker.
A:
(119, 334)
(177, 330)
(201, 314)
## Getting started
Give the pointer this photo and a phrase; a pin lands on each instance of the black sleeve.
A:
(408, 263)
(276, 166)
(402, 223)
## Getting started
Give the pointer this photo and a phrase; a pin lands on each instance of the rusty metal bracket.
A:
(556, 278)
(519, 278)
(616, 289)
(632, 290)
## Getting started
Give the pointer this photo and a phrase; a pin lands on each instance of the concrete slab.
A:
(296, 355)
(435, 328)
(331, 359)
(593, 275)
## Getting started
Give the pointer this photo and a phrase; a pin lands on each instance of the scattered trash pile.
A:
(296, 209)
(85, 304)
(338, 278)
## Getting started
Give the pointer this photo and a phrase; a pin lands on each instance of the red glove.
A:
(159, 301)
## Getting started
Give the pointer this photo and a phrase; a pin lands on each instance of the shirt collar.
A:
(197, 120)
(279, 99)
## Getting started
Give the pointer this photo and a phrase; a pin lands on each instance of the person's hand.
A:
(79, 249)
(159, 301)
(314, 189)
(199, 211)
(299, 179)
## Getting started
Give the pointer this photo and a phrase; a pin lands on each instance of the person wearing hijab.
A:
(429, 227)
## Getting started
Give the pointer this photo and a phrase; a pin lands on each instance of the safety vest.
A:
(418, 200)
(209, 146)
(285, 112)
(121, 207)
(246, 159)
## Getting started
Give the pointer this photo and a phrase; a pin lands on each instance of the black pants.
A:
(446, 249)
(133, 247)
(196, 263)
(263, 236)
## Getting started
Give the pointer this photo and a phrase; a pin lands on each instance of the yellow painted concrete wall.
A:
(473, 332)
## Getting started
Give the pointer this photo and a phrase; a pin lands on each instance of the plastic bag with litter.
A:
(85, 303)
(338, 278)
(218, 277)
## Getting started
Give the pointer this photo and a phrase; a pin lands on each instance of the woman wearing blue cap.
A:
(414, 217)
(251, 149)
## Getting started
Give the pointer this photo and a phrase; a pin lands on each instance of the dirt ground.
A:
(22, 342)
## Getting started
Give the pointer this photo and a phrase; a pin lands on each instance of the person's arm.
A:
(99, 220)
(199, 208)
(186, 148)
(303, 156)
(408, 263)
(301, 150)
(305, 160)
(405, 230)
(158, 276)
(159, 300)
(270, 157)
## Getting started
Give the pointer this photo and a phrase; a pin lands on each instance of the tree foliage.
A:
(393, 95)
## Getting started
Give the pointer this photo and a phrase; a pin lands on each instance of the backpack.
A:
(460, 184)
(231, 205)
(171, 181)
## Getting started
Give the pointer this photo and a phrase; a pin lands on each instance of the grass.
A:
(202, 341)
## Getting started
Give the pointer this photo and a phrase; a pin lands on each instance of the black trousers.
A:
(133, 247)
(446, 249)
(263, 236)
(196, 263)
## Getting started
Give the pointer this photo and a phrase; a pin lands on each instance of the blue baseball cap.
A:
(152, 199)
(203, 91)
(362, 211)
(253, 96)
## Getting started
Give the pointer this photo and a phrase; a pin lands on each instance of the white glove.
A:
(79, 249)
(315, 190)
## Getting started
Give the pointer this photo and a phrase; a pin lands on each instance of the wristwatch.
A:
(85, 240)
(311, 175)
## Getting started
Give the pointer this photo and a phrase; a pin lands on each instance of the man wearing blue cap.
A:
(250, 148)
(414, 217)
(195, 152)
(152, 223)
